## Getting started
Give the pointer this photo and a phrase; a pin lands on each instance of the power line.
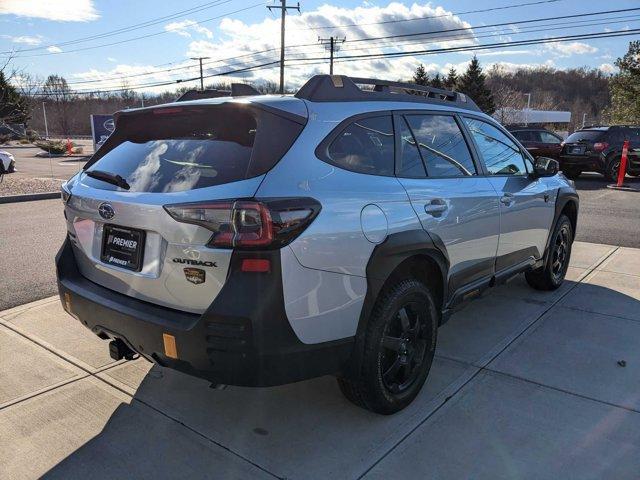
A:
(430, 16)
(319, 60)
(462, 36)
(378, 39)
(503, 24)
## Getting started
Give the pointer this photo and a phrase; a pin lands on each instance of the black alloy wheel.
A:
(403, 347)
(560, 252)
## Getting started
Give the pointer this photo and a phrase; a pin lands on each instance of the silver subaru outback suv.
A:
(262, 240)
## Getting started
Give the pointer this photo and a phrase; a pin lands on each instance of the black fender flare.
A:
(564, 196)
(384, 259)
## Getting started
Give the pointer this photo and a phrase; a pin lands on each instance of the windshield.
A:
(187, 148)
(584, 135)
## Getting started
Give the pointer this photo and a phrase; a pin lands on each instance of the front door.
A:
(455, 205)
(526, 207)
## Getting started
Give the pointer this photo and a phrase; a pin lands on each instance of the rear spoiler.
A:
(237, 90)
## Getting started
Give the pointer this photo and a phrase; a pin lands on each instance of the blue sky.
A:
(36, 32)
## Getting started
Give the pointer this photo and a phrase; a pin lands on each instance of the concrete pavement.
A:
(525, 384)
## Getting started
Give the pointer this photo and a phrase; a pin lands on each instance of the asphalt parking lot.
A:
(525, 385)
(30, 166)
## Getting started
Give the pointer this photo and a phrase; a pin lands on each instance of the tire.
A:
(552, 274)
(611, 170)
(572, 173)
(400, 341)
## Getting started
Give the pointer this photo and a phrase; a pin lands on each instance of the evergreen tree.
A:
(13, 106)
(451, 80)
(436, 81)
(625, 88)
(421, 77)
(472, 84)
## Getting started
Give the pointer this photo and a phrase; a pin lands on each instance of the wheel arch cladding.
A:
(412, 253)
(570, 209)
(567, 202)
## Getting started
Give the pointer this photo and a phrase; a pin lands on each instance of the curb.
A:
(624, 188)
(29, 197)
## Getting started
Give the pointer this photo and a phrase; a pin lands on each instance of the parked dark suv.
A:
(539, 142)
(599, 149)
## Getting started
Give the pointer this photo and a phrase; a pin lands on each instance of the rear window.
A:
(526, 135)
(365, 146)
(584, 135)
(182, 148)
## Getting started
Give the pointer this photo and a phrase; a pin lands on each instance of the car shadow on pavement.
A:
(177, 426)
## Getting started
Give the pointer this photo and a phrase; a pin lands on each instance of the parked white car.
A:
(7, 162)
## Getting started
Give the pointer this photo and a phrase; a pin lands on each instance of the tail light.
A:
(600, 146)
(249, 224)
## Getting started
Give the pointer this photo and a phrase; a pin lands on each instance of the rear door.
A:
(454, 203)
(526, 206)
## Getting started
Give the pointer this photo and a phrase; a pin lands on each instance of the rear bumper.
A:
(584, 162)
(244, 338)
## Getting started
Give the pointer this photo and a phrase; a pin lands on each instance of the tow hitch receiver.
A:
(118, 350)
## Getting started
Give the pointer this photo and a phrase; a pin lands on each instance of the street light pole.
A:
(528, 108)
(46, 128)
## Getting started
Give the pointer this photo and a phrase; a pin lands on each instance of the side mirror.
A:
(545, 167)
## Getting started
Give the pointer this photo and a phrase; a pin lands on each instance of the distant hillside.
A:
(579, 90)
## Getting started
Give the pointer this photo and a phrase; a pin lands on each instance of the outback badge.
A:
(195, 275)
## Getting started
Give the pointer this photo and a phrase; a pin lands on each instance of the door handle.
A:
(507, 199)
(436, 207)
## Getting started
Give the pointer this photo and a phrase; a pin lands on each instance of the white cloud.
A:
(54, 49)
(25, 39)
(111, 59)
(570, 48)
(251, 44)
(182, 28)
(239, 39)
(58, 10)
(607, 68)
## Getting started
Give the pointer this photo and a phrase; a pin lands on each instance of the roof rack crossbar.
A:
(336, 88)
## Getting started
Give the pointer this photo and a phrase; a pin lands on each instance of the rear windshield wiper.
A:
(108, 177)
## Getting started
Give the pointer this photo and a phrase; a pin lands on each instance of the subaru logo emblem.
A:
(106, 211)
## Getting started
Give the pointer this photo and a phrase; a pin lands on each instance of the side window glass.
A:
(442, 145)
(365, 146)
(410, 161)
(500, 155)
(549, 138)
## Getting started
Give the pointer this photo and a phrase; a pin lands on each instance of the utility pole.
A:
(201, 77)
(283, 7)
(331, 45)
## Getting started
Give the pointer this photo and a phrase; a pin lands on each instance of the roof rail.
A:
(237, 90)
(340, 88)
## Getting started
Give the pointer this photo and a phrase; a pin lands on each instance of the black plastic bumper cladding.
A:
(244, 338)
